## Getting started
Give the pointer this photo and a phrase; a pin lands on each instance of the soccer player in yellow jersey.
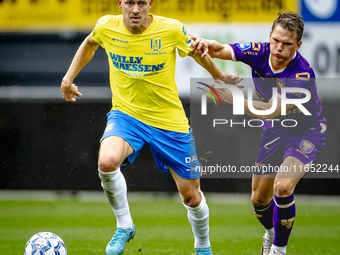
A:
(141, 50)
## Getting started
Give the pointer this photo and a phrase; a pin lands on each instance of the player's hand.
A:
(69, 90)
(229, 79)
(200, 46)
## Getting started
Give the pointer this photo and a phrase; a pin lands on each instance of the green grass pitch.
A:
(162, 227)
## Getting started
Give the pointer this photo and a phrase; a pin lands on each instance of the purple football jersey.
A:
(298, 74)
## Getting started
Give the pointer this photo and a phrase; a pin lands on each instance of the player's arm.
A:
(207, 63)
(227, 96)
(215, 49)
(83, 55)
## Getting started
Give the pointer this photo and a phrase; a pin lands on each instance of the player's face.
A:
(135, 13)
(283, 45)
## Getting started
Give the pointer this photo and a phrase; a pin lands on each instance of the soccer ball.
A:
(45, 243)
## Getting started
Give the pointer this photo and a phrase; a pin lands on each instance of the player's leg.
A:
(198, 211)
(176, 152)
(120, 145)
(113, 151)
(268, 157)
(263, 203)
(284, 211)
(298, 152)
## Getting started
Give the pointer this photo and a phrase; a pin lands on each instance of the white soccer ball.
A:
(45, 243)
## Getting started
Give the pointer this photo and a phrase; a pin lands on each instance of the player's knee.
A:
(258, 200)
(283, 188)
(191, 198)
(108, 164)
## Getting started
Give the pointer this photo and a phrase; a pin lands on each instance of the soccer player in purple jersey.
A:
(278, 64)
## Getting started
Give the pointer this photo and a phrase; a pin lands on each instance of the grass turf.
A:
(162, 227)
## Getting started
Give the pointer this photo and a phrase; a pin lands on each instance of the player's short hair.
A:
(291, 21)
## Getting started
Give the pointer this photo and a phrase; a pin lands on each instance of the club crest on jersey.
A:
(156, 44)
(306, 146)
(244, 46)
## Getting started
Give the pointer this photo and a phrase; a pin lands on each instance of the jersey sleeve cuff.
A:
(232, 52)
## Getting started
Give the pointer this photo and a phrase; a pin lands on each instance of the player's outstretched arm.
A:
(215, 49)
(207, 63)
(83, 55)
(227, 96)
(230, 79)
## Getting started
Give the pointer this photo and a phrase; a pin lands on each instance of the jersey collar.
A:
(280, 70)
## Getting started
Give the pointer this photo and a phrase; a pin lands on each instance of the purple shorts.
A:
(305, 147)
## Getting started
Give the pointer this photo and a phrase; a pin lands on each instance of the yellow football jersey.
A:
(142, 69)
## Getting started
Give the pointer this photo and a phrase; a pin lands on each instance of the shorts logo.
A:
(267, 144)
(306, 146)
(190, 159)
(244, 46)
(109, 127)
(156, 44)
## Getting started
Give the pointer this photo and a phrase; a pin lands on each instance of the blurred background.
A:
(48, 144)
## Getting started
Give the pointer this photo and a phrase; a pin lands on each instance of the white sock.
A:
(270, 233)
(114, 186)
(199, 219)
(278, 248)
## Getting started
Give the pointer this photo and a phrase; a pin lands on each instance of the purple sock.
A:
(284, 216)
(265, 214)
